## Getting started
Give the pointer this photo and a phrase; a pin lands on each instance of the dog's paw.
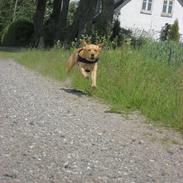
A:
(93, 87)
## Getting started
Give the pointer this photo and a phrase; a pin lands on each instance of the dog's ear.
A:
(83, 43)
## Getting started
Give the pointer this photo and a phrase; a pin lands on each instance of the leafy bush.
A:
(19, 33)
(119, 35)
(165, 32)
(170, 32)
(174, 32)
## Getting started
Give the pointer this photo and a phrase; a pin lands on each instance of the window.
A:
(146, 6)
(167, 8)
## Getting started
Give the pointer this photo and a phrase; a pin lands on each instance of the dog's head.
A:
(91, 51)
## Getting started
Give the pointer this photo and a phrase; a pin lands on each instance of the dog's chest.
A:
(87, 67)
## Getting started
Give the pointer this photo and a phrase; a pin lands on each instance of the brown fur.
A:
(90, 52)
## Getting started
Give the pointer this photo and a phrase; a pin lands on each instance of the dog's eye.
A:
(95, 50)
(89, 49)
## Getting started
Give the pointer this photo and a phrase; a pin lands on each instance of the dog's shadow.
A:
(73, 91)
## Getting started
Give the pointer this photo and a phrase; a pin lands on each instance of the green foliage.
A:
(25, 9)
(174, 32)
(6, 15)
(18, 33)
(119, 35)
(165, 32)
(170, 32)
(72, 10)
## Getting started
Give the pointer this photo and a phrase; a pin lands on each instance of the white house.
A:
(151, 15)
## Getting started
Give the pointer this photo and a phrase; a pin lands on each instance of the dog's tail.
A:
(71, 62)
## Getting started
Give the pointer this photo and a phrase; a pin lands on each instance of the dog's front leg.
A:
(84, 73)
(94, 76)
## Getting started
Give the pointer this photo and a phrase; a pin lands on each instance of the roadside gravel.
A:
(53, 134)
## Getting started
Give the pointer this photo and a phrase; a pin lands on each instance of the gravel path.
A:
(49, 134)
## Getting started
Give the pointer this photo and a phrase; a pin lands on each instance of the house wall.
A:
(130, 17)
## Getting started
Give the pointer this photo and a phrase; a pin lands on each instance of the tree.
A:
(56, 24)
(174, 32)
(105, 18)
(83, 16)
(105, 15)
(170, 32)
(23, 9)
(165, 32)
(62, 21)
(6, 8)
(71, 12)
(38, 21)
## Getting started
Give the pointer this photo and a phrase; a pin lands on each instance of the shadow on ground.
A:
(73, 91)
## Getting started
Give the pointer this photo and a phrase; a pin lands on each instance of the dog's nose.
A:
(92, 55)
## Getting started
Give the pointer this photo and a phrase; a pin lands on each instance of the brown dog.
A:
(86, 58)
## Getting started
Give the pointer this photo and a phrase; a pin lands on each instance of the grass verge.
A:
(127, 80)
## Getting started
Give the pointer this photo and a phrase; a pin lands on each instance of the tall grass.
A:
(170, 52)
(128, 79)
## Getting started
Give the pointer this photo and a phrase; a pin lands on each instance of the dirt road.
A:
(51, 134)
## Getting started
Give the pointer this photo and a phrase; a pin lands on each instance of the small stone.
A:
(125, 173)
(133, 139)
(13, 176)
(141, 142)
(31, 123)
(66, 165)
(170, 152)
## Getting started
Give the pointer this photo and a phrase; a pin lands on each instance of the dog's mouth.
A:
(92, 57)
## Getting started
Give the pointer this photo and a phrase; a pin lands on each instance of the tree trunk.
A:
(62, 21)
(58, 20)
(105, 18)
(38, 21)
(84, 14)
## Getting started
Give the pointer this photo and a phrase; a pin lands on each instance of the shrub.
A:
(165, 32)
(119, 35)
(170, 32)
(174, 32)
(19, 33)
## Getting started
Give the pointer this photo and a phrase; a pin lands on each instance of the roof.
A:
(127, 1)
(181, 2)
(122, 4)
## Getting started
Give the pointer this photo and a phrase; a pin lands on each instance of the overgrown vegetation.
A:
(61, 20)
(19, 33)
(128, 79)
(12, 10)
(170, 32)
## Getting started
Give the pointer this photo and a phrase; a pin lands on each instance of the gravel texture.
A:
(53, 134)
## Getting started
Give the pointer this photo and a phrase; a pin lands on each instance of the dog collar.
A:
(84, 60)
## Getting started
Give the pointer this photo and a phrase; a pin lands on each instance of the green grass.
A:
(127, 80)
